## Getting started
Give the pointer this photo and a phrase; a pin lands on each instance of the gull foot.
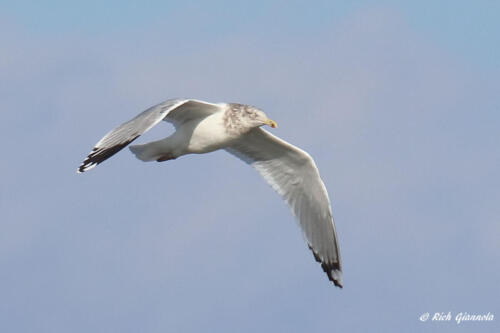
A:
(166, 157)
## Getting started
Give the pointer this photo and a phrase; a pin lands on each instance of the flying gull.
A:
(203, 127)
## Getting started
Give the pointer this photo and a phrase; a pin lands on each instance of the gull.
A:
(203, 127)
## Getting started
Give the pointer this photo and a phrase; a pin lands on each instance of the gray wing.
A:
(294, 175)
(176, 111)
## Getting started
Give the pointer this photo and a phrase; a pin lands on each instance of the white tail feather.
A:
(145, 153)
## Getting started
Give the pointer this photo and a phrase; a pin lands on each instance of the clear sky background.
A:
(398, 102)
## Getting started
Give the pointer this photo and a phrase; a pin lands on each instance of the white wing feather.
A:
(294, 175)
(176, 111)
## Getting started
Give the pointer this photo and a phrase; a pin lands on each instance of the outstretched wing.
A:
(294, 175)
(176, 111)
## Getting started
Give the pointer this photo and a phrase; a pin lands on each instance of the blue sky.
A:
(397, 102)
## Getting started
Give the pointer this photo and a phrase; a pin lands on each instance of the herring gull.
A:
(203, 127)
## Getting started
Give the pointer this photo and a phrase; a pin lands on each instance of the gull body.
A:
(197, 136)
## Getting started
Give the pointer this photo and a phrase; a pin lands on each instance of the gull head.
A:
(241, 118)
(256, 118)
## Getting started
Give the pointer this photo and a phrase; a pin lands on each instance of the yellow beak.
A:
(271, 123)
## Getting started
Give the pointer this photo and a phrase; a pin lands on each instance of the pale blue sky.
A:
(398, 103)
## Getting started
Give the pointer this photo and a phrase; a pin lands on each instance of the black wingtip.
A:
(85, 166)
(99, 155)
(332, 270)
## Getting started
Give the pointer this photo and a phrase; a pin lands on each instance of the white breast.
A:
(207, 135)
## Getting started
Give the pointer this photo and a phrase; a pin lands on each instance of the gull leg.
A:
(166, 157)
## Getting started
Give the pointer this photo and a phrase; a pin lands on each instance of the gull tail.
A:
(145, 153)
